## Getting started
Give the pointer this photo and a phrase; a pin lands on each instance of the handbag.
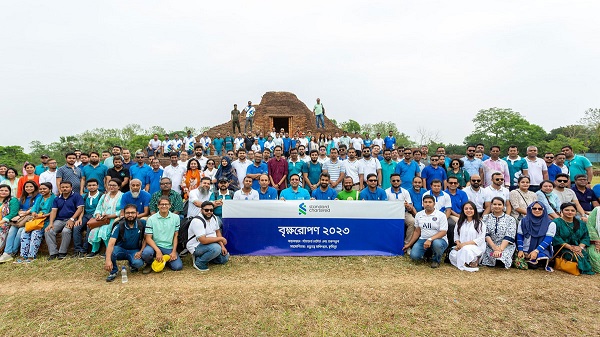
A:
(568, 266)
(34, 224)
(93, 223)
(21, 222)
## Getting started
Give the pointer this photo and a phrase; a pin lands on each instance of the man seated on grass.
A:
(205, 239)
(126, 243)
(161, 237)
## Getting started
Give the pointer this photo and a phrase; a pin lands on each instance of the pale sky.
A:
(68, 66)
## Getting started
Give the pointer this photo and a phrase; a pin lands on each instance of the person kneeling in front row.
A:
(161, 237)
(126, 243)
(205, 239)
(431, 226)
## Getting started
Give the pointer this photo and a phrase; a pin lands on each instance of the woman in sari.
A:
(108, 208)
(9, 208)
(534, 236)
(31, 241)
(469, 236)
(593, 226)
(500, 236)
(573, 237)
(228, 172)
(191, 178)
(520, 198)
(29, 196)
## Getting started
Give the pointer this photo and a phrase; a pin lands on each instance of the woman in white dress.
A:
(469, 235)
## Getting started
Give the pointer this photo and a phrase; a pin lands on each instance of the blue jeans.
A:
(438, 246)
(320, 118)
(77, 237)
(13, 239)
(149, 253)
(203, 254)
(124, 254)
(30, 243)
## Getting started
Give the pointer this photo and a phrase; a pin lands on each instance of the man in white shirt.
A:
(189, 142)
(199, 155)
(246, 192)
(475, 193)
(496, 189)
(398, 194)
(166, 146)
(241, 165)
(378, 141)
(367, 165)
(357, 143)
(50, 175)
(205, 240)
(537, 169)
(205, 141)
(431, 226)
(175, 172)
(352, 166)
(197, 196)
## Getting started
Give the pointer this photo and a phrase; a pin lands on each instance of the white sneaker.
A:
(5, 258)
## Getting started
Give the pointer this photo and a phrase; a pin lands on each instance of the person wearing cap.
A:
(223, 193)
(43, 167)
(126, 243)
(205, 239)
(161, 237)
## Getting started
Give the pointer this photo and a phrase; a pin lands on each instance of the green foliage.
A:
(350, 125)
(504, 127)
(556, 144)
(13, 156)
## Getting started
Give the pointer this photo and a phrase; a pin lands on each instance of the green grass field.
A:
(288, 296)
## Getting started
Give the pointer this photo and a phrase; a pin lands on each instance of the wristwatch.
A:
(72, 219)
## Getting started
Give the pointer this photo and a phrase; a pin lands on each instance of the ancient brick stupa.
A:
(280, 109)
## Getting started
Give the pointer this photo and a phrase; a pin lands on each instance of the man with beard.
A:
(127, 163)
(90, 199)
(416, 194)
(324, 192)
(43, 167)
(348, 193)
(265, 192)
(140, 169)
(222, 194)
(69, 172)
(126, 243)
(474, 166)
(475, 193)
(312, 172)
(205, 240)
(199, 156)
(248, 141)
(495, 164)
(294, 164)
(241, 165)
(138, 197)
(351, 166)
(372, 191)
(368, 165)
(388, 166)
(175, 204)
(85, 160)
(398, 194)
(407, 168)
(302, 154)
(152, 179)
(336, 170)
(257, 169)
(119, 172)
(198, 196)
(294, 192)
(94, 170)
(496, 189)
(175, 172)
(116, 151)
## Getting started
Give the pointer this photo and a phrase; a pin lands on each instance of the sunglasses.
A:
(549, 157)
(537, 209)
(208, 209)
(452, 183)
(396, 181)
(562, 180)
(499, 179)
(475, 180)
(372, 180)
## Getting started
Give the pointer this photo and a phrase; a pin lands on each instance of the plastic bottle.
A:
(123, 275)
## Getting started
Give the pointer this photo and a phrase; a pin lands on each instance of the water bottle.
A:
(123, 275)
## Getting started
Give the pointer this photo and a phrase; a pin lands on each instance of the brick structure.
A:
(280, 109)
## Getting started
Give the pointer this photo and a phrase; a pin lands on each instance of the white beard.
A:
(135, 195)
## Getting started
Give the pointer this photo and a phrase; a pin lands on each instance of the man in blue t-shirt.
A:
(126, 243)
(140, 170)
(416, 193)
(324, 192)
(372, 191)
(217, 143)
(390, 141)
(433, 171)
(408, 169)
(312, 172)
(138, 197)
(294, 192)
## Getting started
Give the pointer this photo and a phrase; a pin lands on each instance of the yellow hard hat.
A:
(159, 266)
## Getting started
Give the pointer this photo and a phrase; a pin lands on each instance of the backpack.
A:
(182, 235)
(122, 223)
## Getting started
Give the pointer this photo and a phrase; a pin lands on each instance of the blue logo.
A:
(302, 209)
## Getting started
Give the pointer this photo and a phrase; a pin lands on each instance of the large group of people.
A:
(476, 209)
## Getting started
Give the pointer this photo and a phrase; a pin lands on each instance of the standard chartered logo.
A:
(302, 209)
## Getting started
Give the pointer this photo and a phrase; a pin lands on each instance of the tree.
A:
(427, 136)
(504, 127)
(350, 125)
(556, 144)
(13, 156)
